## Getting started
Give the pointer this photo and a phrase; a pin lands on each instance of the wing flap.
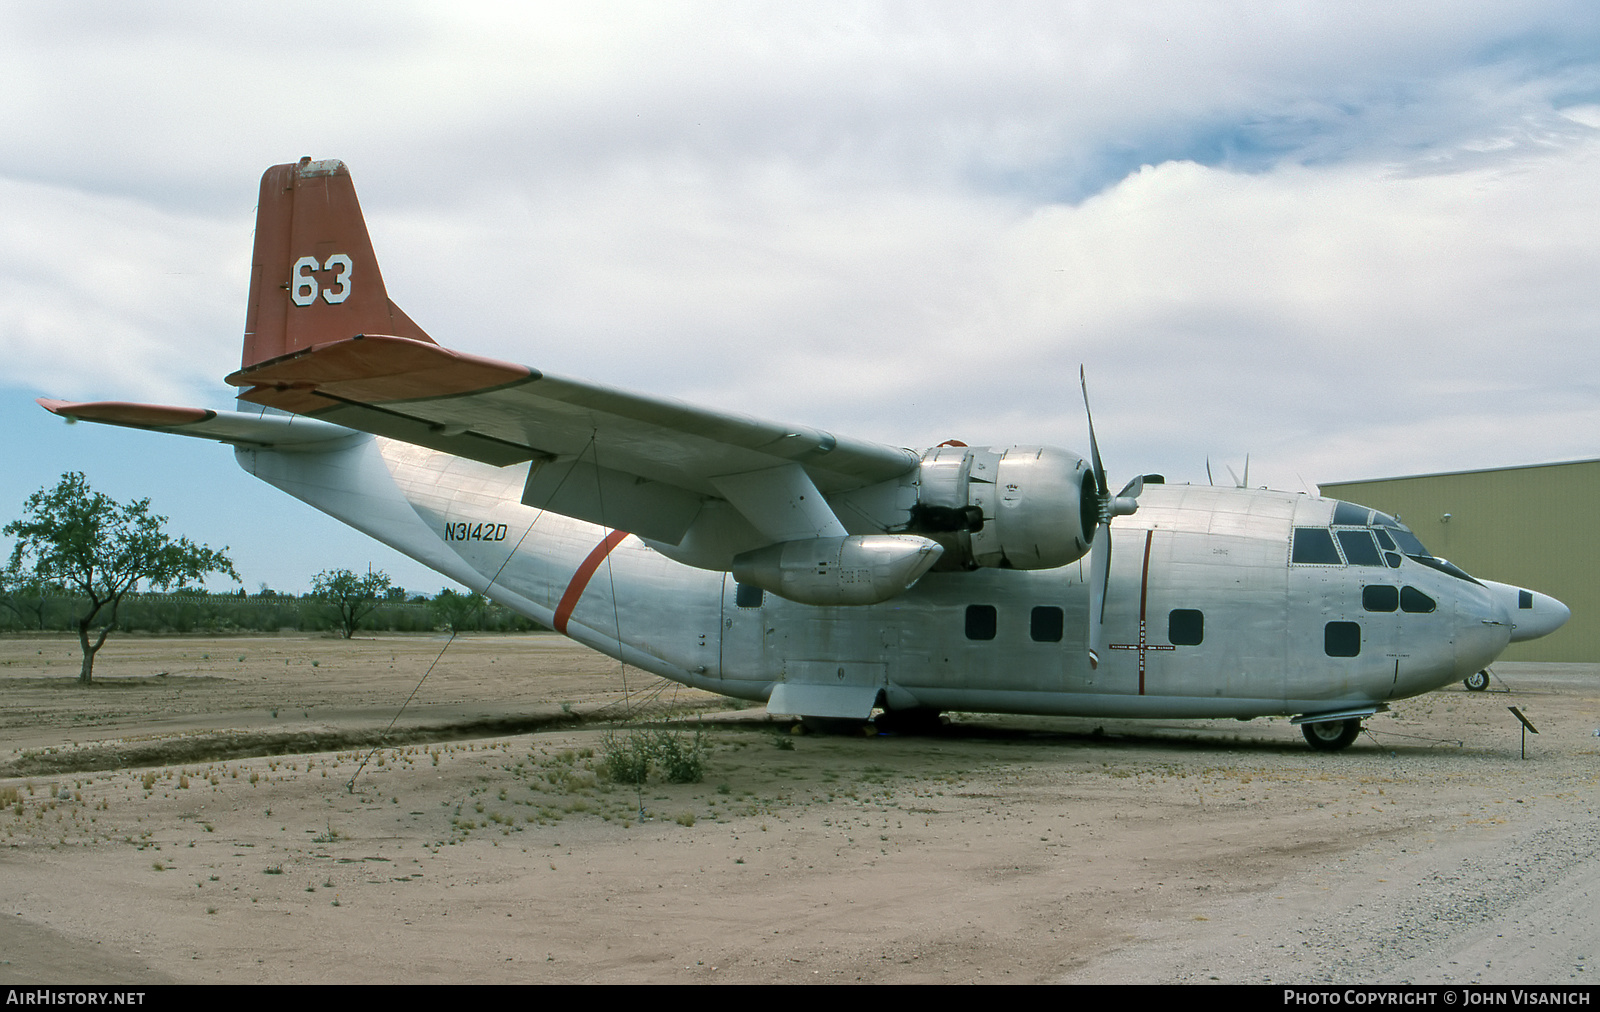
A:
(600, 495)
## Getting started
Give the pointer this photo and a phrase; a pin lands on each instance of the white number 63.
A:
(304, 292)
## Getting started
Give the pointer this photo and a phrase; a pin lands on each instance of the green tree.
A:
(97, 550)
(26, 596)
(458, 612)
(352, 597)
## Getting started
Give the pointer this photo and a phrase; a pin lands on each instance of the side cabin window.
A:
(1415, 601)
(1341, 639)
(747, 596)
(1380, 598)
(982, 622)
(1186, 627)
(1045, 625)
(1407, 599)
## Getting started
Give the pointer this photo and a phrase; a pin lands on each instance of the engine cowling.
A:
(1021, 507)
(856, 570)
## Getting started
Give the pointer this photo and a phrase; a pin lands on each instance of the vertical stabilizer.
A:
(314, 277)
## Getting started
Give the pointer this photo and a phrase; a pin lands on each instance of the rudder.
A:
(314, 277)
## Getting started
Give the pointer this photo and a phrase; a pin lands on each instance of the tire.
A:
(919, 721)
(1478, 681)
(845, 726)
(1331, 735)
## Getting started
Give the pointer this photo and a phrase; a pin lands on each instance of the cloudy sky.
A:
(1348, 240)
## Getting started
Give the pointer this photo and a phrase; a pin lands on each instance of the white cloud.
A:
(1364, 242)
(104, 294)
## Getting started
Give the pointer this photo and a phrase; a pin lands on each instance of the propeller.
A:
(1239, 482)
(1107, 506)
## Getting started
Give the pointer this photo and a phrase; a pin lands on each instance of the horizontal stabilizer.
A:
(265, 430)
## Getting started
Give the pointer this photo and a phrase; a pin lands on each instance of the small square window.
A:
(1380, 598)
(748, 596)
(982, 622)
(1047, 624)
(1186, 627)
(1342, 639)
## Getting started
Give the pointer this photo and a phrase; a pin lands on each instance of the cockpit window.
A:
(1409, 544)
(1359, 549)
(1348, 514)
(1445, 567)
(1313, 546)
(1392, 534)
(1384, 520)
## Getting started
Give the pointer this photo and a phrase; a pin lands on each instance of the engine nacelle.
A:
(856, 570)
(1022, 507)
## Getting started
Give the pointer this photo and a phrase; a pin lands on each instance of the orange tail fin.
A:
(314, 277)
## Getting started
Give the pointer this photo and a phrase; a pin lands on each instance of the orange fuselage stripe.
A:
(580, 579)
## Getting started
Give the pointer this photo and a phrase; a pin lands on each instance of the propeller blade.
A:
(1107, 506)
(1101, 488)
(1099, 574)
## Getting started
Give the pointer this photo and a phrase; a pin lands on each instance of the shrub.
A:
(626, 759)
(678, 755)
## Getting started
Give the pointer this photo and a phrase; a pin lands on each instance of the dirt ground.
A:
(198, 816)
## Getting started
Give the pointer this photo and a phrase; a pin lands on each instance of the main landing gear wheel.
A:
(916, 721)
(847, 726)
(1477, 681)
(1331, 735)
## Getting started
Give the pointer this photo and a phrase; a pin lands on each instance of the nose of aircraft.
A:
(1532, 614)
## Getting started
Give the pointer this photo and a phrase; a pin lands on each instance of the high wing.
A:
(322, 338)
(324, 342)
(644, 464)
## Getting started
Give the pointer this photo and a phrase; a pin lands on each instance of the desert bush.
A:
(682, 756)
(626, 758)
(678, 755)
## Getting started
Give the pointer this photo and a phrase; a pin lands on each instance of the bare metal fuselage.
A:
(1205, 614)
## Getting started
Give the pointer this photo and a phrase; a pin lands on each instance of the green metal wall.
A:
(1524, 525)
